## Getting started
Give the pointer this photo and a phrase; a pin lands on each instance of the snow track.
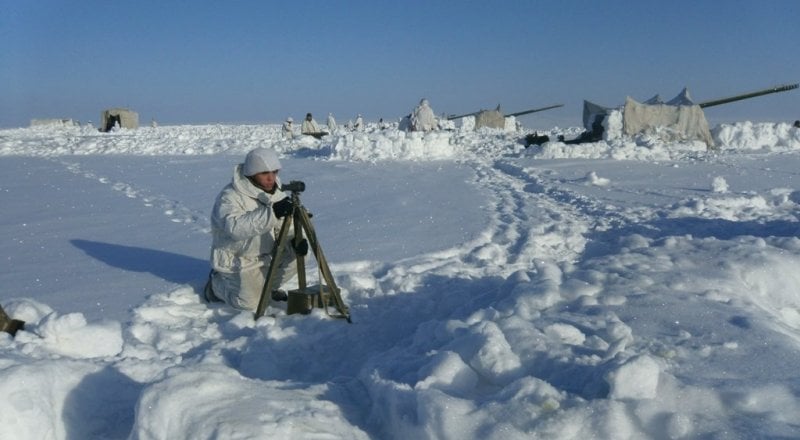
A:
(526, 227)
(534, 225)
(174, 210)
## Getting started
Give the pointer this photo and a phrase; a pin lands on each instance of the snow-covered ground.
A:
(620, 290)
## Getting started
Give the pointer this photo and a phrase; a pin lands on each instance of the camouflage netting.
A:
(491, 119)
(669, 122)
(680, 119)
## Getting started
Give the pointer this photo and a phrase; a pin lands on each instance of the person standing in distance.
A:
(245, 222)
(287, 128)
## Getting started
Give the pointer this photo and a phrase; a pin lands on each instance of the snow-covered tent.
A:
(679, 119)
(123, 117)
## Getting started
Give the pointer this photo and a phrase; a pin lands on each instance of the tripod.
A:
(320, 296)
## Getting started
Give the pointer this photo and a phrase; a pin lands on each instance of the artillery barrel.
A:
(526, 112)
(775, 89)
(452, 117)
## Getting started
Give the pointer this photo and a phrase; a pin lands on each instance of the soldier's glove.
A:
(282, 208)
(301, 248)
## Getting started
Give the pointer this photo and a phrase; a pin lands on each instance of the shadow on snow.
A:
(606, 242)
(169, 266)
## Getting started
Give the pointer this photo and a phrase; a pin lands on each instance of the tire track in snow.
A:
(174, 210)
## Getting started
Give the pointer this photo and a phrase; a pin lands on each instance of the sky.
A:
(260, 61)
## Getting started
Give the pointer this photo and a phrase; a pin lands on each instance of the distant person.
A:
(797, 123)
(423, 118)
(359, 124)
(153, 123)
(311, 128)
(331, 123)
(287, 128)
(245, 220)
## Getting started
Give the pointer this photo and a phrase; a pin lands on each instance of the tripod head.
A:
(295, 186)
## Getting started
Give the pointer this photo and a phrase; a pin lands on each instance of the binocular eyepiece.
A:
(294, 186)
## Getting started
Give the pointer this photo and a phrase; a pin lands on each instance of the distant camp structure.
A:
(495, 118)
(678, 119)
(54, 122)
(123, 117)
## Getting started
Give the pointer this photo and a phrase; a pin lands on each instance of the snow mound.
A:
(764, 136)
(380, 144)
(217, 402)
(46, 333)
(636, 379)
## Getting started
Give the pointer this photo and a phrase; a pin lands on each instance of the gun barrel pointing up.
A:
(526, 112)
(776, 89)
(452, 117)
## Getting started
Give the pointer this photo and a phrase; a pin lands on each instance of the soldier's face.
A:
(265, 180)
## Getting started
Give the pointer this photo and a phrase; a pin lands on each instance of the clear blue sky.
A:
(195, 62)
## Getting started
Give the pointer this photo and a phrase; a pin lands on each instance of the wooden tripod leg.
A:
(298, 236)
(305, 221)
(277, 253)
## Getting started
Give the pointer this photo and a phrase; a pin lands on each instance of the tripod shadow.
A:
(169, 266)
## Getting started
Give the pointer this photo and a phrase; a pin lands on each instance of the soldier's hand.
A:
(282, 208)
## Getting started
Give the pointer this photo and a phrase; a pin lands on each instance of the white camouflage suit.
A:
(423, 119)
(244, 228)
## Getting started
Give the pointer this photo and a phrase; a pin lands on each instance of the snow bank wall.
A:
(378, 144)
(769, 136)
